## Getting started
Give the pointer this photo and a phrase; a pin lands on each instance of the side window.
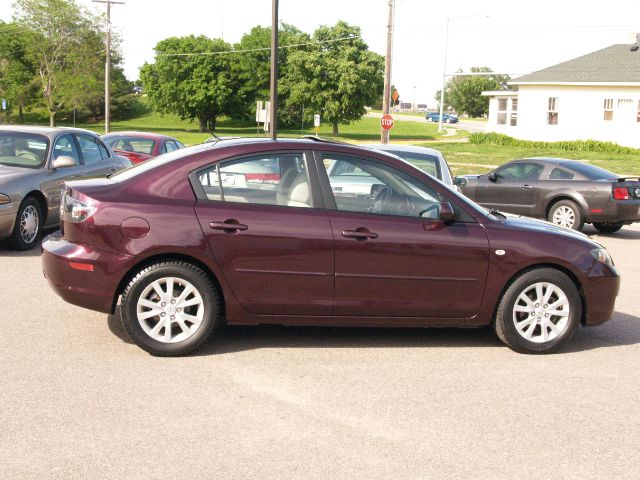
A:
(520, 171)
(169, 146)
(370, 187)
(279, 179)
(65, 146)
(91, 153)
(103, 150)
(560, 174)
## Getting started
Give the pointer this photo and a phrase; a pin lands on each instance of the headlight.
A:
(601, 255)
(4, 199)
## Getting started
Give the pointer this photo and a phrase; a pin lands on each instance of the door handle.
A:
(359, 234)
(527, 187)
(229, 226)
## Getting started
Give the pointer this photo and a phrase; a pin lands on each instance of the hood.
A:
(7, 174)
(542, 226)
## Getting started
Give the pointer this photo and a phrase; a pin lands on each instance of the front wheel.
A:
(566, 213)
(538, 312)
(170, 308)
(430, 119)
(448, 120)
(28, 225)
(608, 227)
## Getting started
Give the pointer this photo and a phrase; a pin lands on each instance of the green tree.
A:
(17, 71)
(66, 48)
(191, 79)
(337, 76)
(464, 92)
(252, 70)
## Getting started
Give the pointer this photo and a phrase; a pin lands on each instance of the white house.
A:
(596, 96)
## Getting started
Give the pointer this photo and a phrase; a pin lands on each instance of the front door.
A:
(393, 257)
(513, 188)
(274, 246)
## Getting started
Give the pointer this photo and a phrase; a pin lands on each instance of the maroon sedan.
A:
(140, 146)
(251, 232)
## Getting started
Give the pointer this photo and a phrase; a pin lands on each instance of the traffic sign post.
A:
(386, 122)
(316, 123)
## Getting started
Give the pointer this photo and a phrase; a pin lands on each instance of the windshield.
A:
(26, 150)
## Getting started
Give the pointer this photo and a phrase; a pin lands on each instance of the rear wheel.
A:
(608, 227)
(28, 225)
(538, 312)
(566, 213)
(170, 308)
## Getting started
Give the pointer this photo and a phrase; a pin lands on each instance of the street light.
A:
(444, 69)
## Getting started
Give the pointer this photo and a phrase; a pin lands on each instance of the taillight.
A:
(75, 210)
(620, 193)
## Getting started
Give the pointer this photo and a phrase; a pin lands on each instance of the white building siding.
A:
(580, 114)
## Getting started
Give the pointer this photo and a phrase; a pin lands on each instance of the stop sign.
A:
(386, 122)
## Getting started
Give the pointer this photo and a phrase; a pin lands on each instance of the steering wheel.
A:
(381, 197)
(434, 206)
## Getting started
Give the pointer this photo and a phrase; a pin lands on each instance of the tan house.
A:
(596, 96)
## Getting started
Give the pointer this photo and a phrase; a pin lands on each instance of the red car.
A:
(193, 239)
(140, 146)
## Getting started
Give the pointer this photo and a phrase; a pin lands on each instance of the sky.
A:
(510, 37)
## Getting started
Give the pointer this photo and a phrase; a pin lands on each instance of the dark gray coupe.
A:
(34, 164)
(565, 192)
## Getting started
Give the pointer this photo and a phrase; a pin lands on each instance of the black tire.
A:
(505, 320)
(448, 120)
(578, 218)
(20, 238)
(210, 314)
(430, 119)
(608, 227)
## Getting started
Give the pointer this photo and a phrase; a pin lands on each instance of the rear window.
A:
(591, 171)
(26, 150)
(132, 144)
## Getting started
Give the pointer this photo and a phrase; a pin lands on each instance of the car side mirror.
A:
(64, 161)
(447, 215)
(493, 176)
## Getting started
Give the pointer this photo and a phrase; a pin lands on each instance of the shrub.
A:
(493, 138)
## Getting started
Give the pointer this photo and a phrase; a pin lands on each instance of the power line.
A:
(226, 52)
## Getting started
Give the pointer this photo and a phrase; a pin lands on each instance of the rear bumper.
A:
(600, 291)
(95, 290)
(625, 211)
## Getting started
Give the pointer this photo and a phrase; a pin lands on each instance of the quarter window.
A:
(267, 180)
(91, 152)
(560, 174)
(552, 111)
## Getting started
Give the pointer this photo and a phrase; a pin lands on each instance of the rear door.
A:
(95, 157)
(265, 225)
(393, 257)
(513, 188)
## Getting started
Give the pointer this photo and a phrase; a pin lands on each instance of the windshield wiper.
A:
(497, 213)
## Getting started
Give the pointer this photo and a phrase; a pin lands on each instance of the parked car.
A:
(34, 163)
(141, 146)
(565, 192)
(446, 118)
(182, 252)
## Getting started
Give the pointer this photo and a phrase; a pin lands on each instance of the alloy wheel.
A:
(541, 312)
(170, 310)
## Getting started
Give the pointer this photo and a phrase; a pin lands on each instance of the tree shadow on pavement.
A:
(623, 329)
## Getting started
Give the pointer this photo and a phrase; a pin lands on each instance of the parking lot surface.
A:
(79, 400)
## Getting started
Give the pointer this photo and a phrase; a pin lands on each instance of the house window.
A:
(552, 113)
(514, 112)
(638, 113)
(502, 111)
(608, 109)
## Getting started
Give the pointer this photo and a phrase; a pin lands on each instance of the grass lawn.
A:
(364, 130)
(471, 158)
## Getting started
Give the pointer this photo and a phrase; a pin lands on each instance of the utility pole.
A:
(386, 96)
(274, 70)
(107, 66)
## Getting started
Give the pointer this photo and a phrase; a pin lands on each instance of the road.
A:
(80, 401)
(468, 125)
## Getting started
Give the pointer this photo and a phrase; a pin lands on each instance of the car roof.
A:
(147, 135)
(402, 148)
(48, 131)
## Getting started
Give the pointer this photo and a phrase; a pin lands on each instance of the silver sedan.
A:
(34, 164)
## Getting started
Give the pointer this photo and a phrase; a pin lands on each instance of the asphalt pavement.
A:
(80, 401)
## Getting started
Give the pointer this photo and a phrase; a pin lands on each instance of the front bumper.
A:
(8, 213)
(96, 289)
(600, 291)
